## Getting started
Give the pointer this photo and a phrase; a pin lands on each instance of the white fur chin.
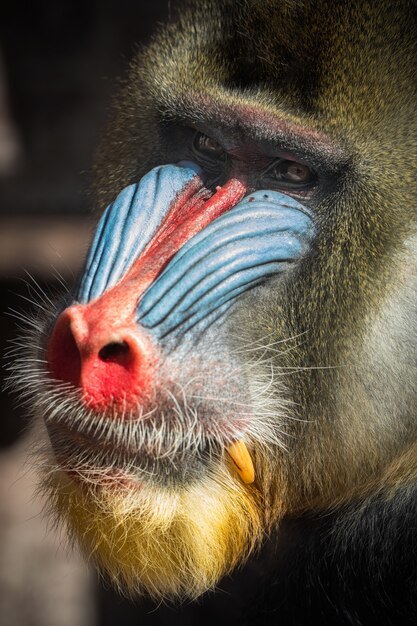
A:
(165, 542)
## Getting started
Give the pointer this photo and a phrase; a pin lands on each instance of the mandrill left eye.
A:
(291, 174)
(208, 149)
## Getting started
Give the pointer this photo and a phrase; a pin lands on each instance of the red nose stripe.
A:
(177, 229)
(98, 347)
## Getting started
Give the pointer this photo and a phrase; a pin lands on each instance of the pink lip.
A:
(110, 479)
(103, 477)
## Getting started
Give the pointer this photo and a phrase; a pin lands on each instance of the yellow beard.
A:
(166, 542)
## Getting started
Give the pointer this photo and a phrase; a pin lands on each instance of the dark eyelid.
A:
(271, 173)
(284, 159)
(207, 154)
(280, 138)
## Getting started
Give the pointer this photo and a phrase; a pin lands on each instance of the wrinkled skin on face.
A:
(240, 344)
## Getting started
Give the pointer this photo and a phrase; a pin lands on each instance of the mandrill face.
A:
(152, 408)
(234, 349)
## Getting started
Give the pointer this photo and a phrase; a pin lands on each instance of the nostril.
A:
(109, 363)
(115, 351)
(64, 358)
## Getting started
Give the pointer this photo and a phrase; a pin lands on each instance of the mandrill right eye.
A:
(208, 150)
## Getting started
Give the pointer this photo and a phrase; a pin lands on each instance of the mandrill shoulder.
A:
(351, 567)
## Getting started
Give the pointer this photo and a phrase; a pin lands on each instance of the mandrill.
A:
(238, 357)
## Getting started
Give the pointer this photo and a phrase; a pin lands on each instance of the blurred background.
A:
(59, 64)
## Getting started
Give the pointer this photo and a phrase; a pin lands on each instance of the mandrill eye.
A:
(291, 174)
(208, 149)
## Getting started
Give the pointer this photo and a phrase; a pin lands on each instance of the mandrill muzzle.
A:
(168, 260)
